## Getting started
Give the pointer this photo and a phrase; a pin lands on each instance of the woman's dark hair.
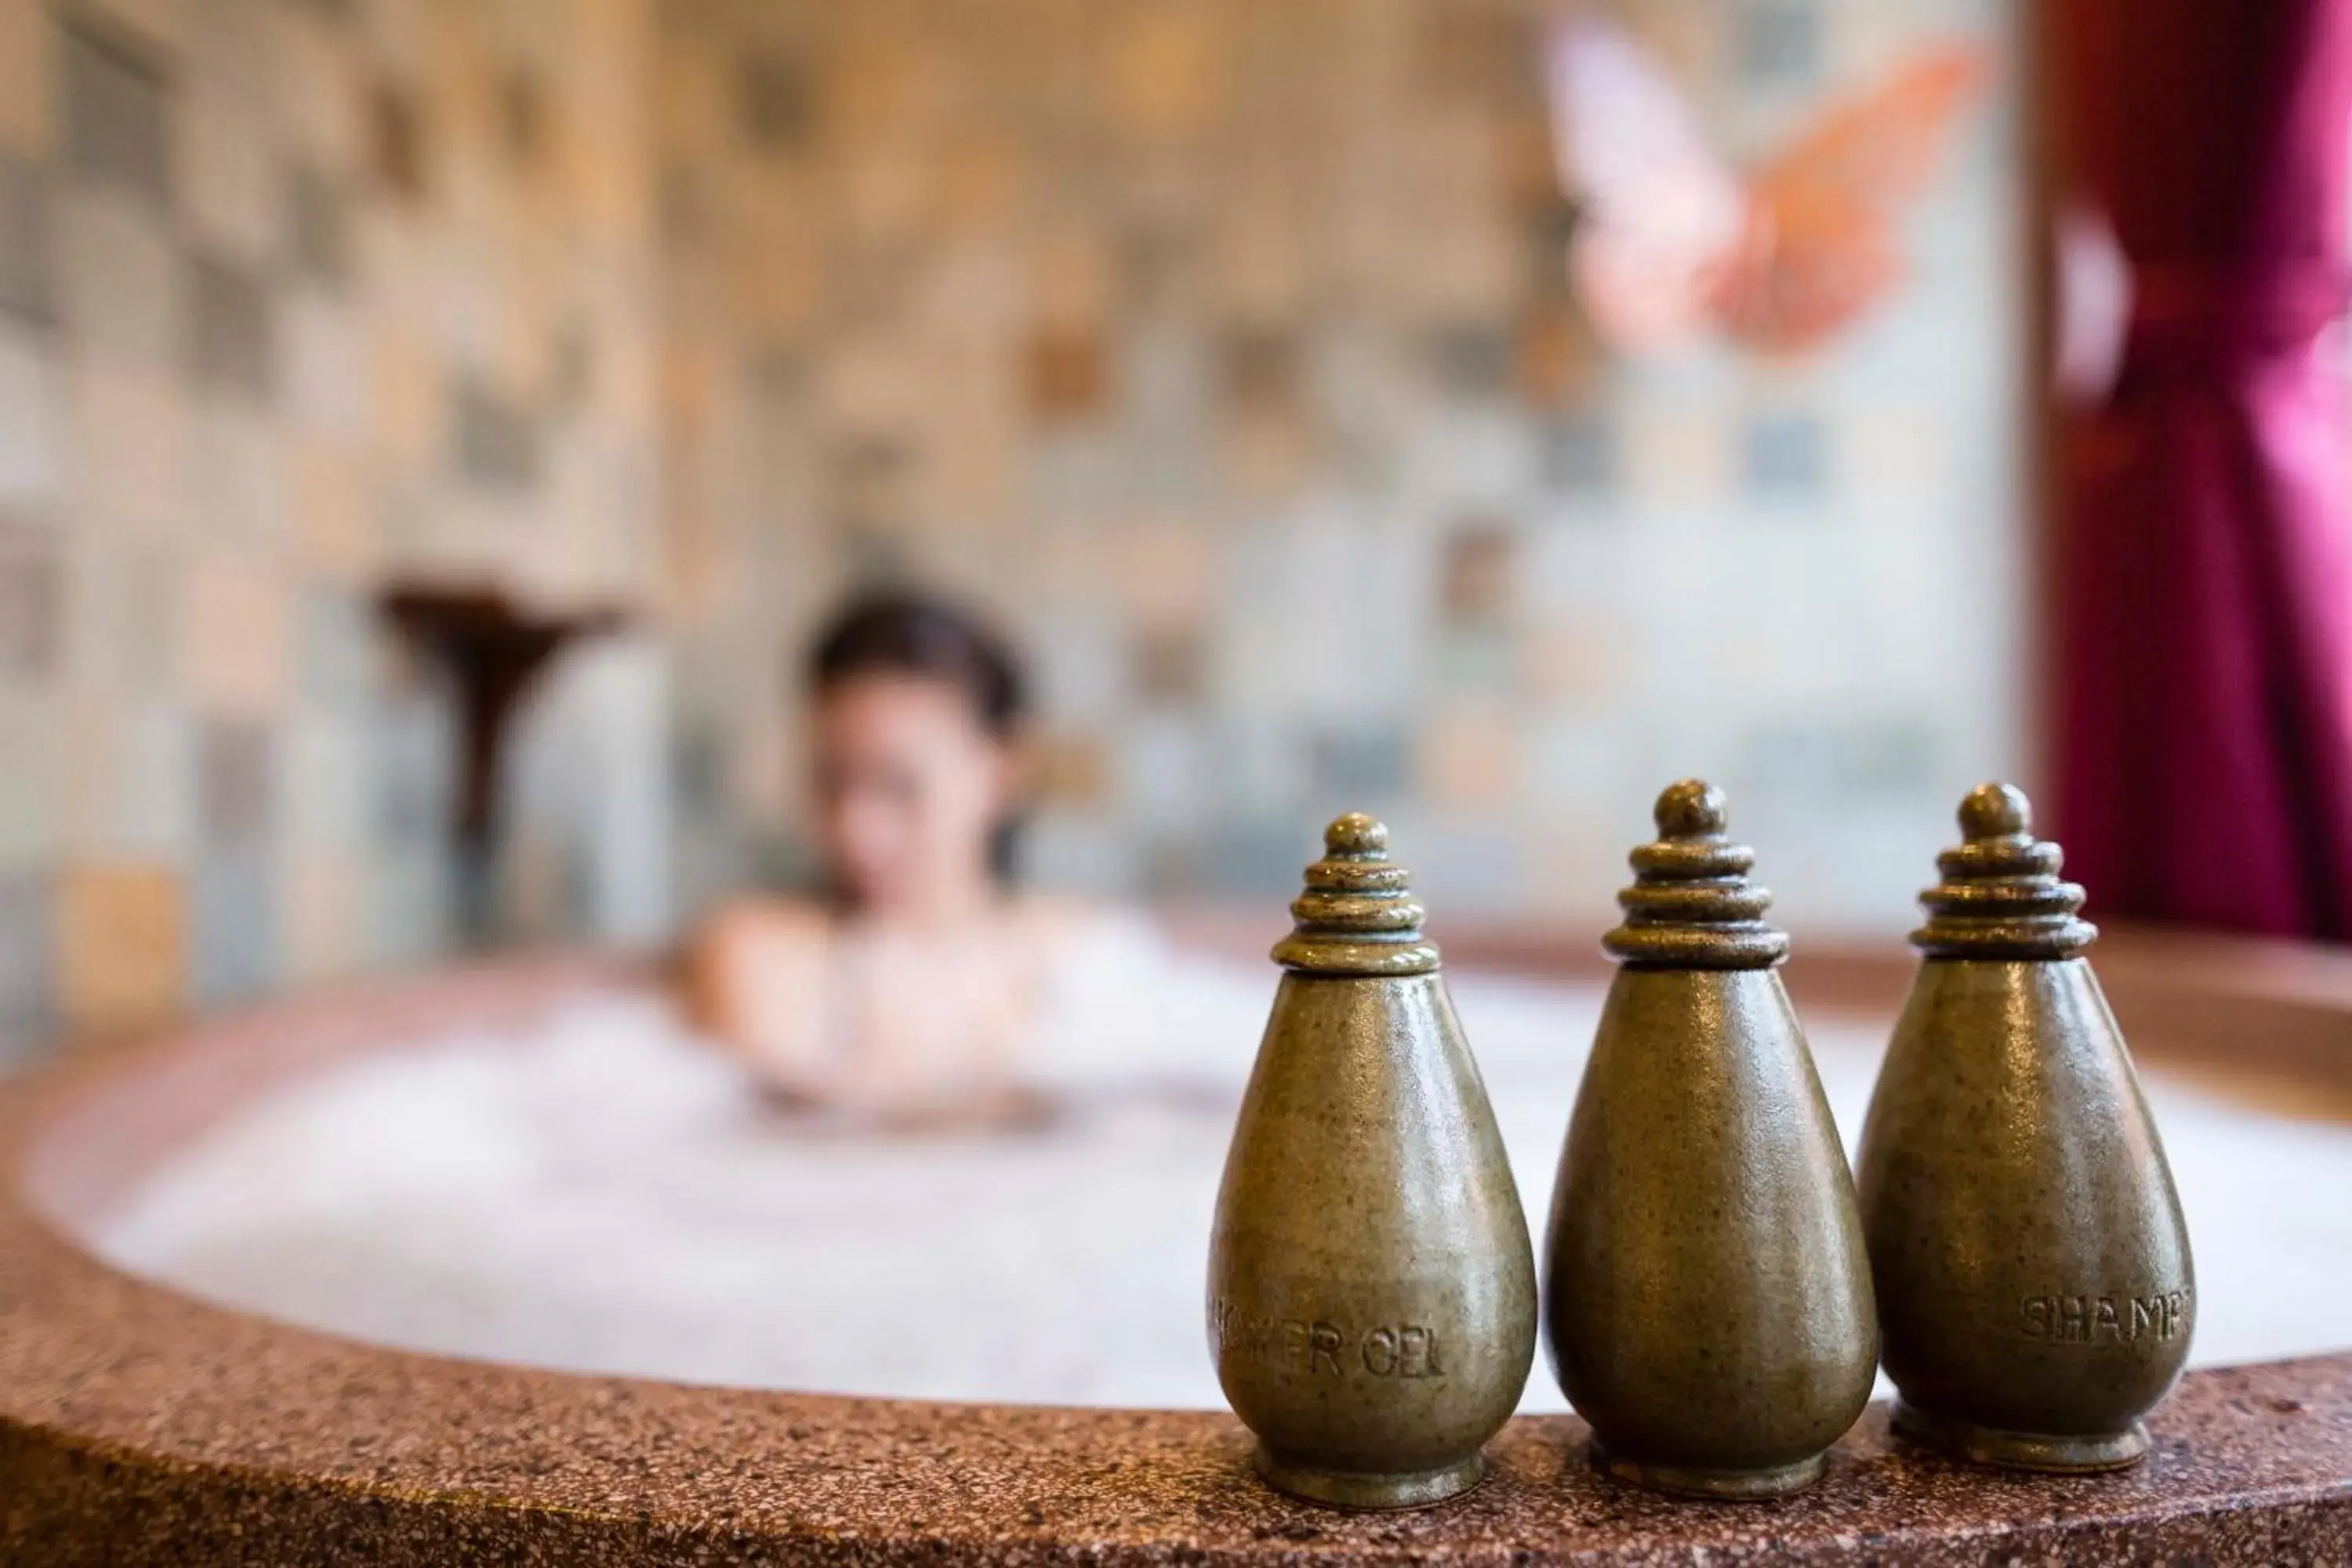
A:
(903, 633)
(900, 632)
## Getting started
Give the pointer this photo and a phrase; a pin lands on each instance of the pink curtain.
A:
(2204, 574)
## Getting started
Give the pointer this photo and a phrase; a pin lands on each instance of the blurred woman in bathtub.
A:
(920, 985)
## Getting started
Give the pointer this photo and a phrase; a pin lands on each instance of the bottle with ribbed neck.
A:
(2031, 1264)
(1707, 1296)
(1371, 1296)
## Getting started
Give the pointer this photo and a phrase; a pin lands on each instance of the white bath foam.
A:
(603, 1192)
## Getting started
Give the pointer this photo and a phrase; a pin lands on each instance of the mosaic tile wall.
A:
(297, 298)
(1225, 350)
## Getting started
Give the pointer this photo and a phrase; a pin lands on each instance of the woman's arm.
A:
(757, 983)
(886, 1025)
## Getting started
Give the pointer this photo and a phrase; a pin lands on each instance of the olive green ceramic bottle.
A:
(2032, 1265)
(1706, 1294)
(1371, 1290)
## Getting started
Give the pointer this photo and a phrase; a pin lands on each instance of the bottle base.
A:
(1700, 1481)
(2022, 1450)
(1361, 1489)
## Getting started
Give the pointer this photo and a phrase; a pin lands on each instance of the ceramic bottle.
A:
(1371, 1301)
(1707, 1303)
(2032, 1268)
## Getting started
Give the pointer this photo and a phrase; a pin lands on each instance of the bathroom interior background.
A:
(1224, 351)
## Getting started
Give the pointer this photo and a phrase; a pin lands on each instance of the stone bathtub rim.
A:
(143, 1423)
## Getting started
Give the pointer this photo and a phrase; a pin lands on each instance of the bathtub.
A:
(159, 1404)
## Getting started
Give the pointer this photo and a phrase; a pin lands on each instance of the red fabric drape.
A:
(2204, 588)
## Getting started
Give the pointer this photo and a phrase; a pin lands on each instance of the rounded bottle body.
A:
(1372, 1286)
(2031, 1264)
(1708, 1300)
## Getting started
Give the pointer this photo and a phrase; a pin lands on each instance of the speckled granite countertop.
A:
(138, 1427)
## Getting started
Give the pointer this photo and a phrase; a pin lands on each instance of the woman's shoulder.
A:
(761, 922)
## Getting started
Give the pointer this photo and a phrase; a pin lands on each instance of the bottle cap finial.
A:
(2001, 896)
(1995, 810)
(1691, 905)
(1358, 914)
(1356, 834)
(1690, 808)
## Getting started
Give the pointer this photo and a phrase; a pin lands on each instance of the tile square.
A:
(1472, 359)
(1253, 860)
(541, 887)
(396, 139)
(1368, 768)
(1085, 852)
(129, 444)
(31, 467)
(1579, 661)
(1581, 455)
(237, 924)
(326, 787)
(411, 769)
(318, 217)
(28, 960)
(1479, 56)
(157, 29)
(130, 776)
(1471, 869)
(116, 113)
(27, 60)
(232, 330)
(24, 238)
(231, 190)
(1784, 456)
(239, 657)
(1895, 454)
(1470, 758)
(1168, 571)
(1069, 372)
(321, 104)
(324, 935)
(1481, 565)
(499, 443)
(1169, 71)
(1167, 771)
(118, 284)
(1559, 360)
(407, 396)
(236, 787)
(1261, 366)
(31, 738)
(124, 633)
(523, 119)
(1172, 665)
(412, 905)
(571, 378)
(243, 478)
(122, 946)
(334, 518)
(1779, 43)
(1548, 223)
(339, 648)
(774, 102)
(1074, 770)
(32, 590)
(1672, 457)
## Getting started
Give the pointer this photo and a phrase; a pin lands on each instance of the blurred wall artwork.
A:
(1246, 359)
(1671, 240)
